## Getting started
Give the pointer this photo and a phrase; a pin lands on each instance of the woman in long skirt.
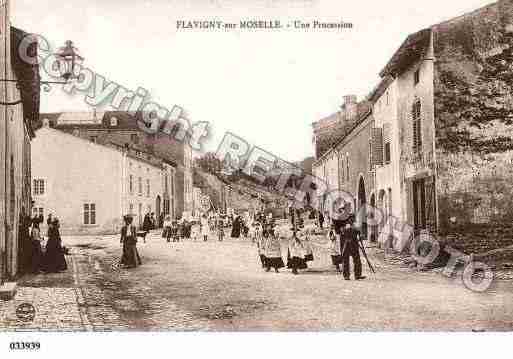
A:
(335, 251)
(296, 254)
(236, 227)
(54, 260)
(272, 251)
(130, 257)
(36, 253)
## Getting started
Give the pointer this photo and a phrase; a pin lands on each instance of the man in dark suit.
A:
(349, 248)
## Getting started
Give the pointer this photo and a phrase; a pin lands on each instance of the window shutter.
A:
(386, 132)
(431, 204)
(416, 122)
(377, 147)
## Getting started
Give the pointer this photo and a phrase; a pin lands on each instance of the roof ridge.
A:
(466, 14)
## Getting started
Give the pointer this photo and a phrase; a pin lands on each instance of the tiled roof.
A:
(380, 89)
(125, 120)
(330, 136)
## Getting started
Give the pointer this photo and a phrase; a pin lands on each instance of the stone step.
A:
(8, 290)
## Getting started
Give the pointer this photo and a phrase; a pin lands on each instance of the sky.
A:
(265, 86)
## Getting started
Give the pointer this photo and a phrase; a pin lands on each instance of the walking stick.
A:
(365, 255)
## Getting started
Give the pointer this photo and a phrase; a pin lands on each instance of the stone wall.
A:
(474, 124)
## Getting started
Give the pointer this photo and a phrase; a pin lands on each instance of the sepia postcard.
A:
(261, 166)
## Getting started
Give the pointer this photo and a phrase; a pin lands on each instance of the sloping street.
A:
(212, 286)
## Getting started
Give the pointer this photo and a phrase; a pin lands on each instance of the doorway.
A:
(362, 202)
(157, 210)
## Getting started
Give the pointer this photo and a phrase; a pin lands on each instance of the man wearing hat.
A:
(349, 243)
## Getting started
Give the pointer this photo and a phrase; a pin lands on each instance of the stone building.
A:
(90, 186)
(19, 108)
(452, 123)
(342, 143)
(123, 128)
(441, 145)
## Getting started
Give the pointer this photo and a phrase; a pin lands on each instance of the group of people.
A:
(344, 245)
(174, 229)
(40, 257)
(299, 248)
(209, 225)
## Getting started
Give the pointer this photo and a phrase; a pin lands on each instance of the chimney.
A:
(350, 109)
(349, 99)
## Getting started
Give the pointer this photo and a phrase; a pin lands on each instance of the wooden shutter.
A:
(430, 204)
(417, 127)
(377, 146)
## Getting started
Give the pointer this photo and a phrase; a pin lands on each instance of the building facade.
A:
(442, 136)
(344, 163)
(123, 128)
(18, 111)
(90, 186)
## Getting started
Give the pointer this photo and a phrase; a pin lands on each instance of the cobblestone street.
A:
(212, 286)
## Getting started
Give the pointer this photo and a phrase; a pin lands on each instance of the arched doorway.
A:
(362, 201)
(157, 211)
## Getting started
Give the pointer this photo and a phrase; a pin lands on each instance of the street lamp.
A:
(67, 59)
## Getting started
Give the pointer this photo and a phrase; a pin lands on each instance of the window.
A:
(131, 209)
(172, 184)
(417, 126)
(93, 139)
(89, 213)
(147, 188)
(39, 187)
(113, 121)
(416, 77)
(370, 156)
(387, 152)
(389, 202)
(38, 211)
(166, 185)
(340, 171)
(140, 186)
(347, 167)
(131, 183)
(388, 98)
(12, 191)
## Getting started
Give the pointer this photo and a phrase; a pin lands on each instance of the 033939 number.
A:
(25, 346)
